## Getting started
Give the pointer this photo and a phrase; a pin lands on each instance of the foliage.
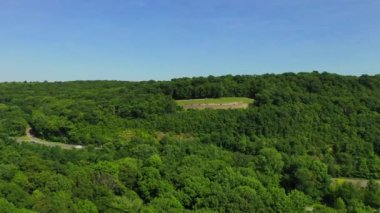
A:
(146, 154)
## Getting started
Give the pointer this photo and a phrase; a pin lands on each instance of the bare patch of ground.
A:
(359, 182)
(216, 103)
(233, 105)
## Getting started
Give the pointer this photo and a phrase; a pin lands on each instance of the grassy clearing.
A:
(360, 182)
(224, 100)
(216, 103)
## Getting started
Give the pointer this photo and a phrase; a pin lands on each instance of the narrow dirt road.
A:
(30, 138)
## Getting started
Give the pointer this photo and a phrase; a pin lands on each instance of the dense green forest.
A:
(144, 153)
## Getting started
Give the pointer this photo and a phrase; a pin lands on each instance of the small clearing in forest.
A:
(216, 103)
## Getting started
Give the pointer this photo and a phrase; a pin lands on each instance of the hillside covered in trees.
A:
(145, 153)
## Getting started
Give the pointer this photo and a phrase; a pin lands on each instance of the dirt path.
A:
(30, 138)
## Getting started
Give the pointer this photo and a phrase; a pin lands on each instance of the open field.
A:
(216, 103)
(360, 182)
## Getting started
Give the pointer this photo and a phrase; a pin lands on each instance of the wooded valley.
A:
(145, 153)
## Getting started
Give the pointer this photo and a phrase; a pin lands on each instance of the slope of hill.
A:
(281, 154)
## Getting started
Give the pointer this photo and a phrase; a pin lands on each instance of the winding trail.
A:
(30, 138)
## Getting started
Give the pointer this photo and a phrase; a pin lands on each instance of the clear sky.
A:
(161, 39)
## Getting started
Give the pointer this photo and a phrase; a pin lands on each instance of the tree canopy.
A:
(144, 153)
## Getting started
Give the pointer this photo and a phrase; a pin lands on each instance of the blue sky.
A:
(162, 39)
